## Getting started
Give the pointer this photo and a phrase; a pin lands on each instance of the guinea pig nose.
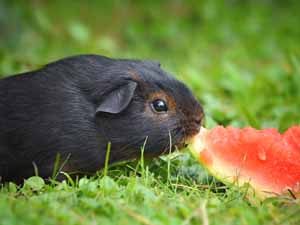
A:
(198, 120)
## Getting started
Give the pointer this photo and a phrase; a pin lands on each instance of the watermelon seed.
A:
(292, 194)
(262, 155)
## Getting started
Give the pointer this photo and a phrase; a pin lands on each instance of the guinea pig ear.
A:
(117, 100)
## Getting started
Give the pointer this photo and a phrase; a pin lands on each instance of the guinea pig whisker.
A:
(184, 134)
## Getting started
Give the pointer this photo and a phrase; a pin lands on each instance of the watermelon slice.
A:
(265, 159)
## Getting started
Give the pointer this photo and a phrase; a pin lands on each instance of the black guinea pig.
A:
(75, 106)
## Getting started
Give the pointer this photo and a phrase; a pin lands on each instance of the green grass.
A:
(240, 58)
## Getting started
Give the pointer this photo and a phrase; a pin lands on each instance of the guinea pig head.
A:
(147, 108)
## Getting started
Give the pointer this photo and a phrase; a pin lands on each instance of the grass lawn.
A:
(240, 58)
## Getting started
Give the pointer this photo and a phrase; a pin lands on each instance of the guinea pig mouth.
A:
(174, 148)
(180, 146)
(185, 136)
(185, 142)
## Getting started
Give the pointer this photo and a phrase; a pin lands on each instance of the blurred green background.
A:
(240, 58)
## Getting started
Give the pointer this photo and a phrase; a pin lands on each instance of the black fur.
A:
(60, 109)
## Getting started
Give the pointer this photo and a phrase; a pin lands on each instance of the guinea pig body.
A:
(75, 106)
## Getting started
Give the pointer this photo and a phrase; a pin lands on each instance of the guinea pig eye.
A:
(159, 106)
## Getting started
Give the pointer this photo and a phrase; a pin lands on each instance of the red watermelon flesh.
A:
(265, 159)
